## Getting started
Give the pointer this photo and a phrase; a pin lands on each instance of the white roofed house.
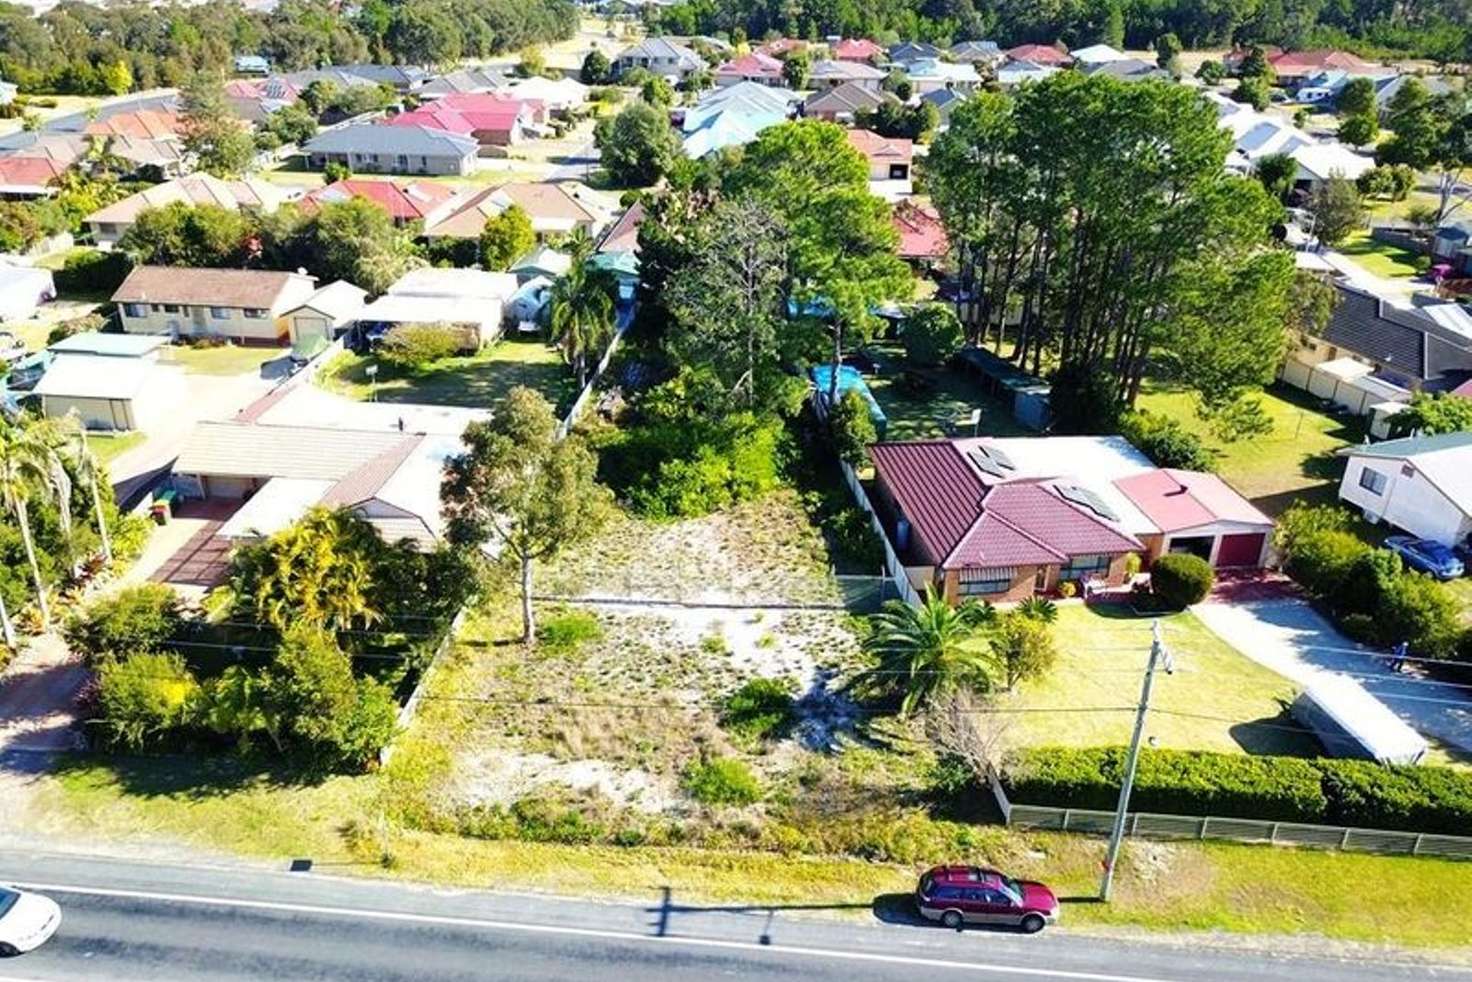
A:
(469, 299)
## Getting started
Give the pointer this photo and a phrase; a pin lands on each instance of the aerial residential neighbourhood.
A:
(704, 490)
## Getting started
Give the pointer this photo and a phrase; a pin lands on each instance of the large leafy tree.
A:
(217, 139)
(521, 491)
(1094, 209)
(926, 652)
(638, 146)
(841, 238)
(729, 303)
(1430, 414)
(357, 241)
(179, 234)
(1433, 134)
(506, 238)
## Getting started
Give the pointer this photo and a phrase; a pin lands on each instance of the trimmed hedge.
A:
(1322, 791)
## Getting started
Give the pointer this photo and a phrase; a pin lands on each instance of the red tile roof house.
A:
(991, 519)
(755, 67)
(1039, 54)
(29, 177)
(1293, 67)
(922, 236)
(857, 49)
(491, 122)
(419, 201)
(889, 159)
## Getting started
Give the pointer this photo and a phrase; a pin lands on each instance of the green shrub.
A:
(77, 325)
(689, 468)
(722, 781)
(1325, 791)
(1180, 579)
(92, 271)
(144, 698)
(139, 618)
(566, 630)
(852, 429)
(761, 709)
(931, 334)
(418, 345)
(1166, 441)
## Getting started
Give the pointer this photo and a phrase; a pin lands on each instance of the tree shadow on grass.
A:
(189, 776)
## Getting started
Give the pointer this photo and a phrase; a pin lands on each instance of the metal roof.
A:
(302, 452)
(116, 345)
(409, 140)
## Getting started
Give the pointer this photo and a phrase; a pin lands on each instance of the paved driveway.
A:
(38, 698)
(1294, 640)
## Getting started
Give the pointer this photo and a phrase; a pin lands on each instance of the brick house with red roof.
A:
(1005, 519)
(757, 67)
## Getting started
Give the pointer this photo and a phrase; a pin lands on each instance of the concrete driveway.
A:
(1296, 641)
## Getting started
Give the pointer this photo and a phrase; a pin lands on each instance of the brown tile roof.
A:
(365, 481)
(146, 123)
(543, 202)
(623, 235)
(876, 147)
(302, 452)
(253, 288)
(196, 189)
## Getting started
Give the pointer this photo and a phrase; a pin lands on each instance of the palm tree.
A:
(581, 308)
(71, 442)
(931, 650)
(30, 468)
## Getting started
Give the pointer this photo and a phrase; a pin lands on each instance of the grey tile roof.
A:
(410, 140)
(1366, 326)
(465, 80)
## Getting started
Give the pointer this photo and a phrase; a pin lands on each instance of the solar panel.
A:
(1085, 498)
(1000, 456)
(986, 464)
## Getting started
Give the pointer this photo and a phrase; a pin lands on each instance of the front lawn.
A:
(1382, 258)
(222, 359)
(929, 403)
(474, 381)
(107, 447)
(1295, 461)
(1215, 700)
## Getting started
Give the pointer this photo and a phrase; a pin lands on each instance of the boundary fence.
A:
(894, 570)
(1148, 825)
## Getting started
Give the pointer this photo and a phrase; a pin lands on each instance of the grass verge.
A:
(227, 806)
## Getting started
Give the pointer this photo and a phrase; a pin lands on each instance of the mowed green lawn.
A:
(1215, 700)
(107, 447)
(1295, 461)
(940, 407)
(223, 359)
(477, 380)
(1381, 258)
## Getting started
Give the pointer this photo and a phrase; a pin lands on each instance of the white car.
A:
(26, 920)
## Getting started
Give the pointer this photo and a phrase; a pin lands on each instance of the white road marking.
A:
(580, 932)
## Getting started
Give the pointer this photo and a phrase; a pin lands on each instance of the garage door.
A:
(1240, 550)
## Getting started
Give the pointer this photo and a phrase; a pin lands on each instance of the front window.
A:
(255, 313)
(1372, 481)
(980, 582)
(171, 308)
(135, 309)
(220, 313)
(1085, 567)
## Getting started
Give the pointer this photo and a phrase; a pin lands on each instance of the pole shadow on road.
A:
(888, 908)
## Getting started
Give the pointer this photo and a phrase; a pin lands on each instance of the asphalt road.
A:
(138, 921)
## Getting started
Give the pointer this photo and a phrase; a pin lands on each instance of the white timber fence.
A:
(1247, 830)
(894, 570)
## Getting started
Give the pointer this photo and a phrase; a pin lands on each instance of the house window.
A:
(975, 582)
(255, 313)
(220, 313)
(1085, 567)
(171, 308)
(135, 309)
(1372, 481)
